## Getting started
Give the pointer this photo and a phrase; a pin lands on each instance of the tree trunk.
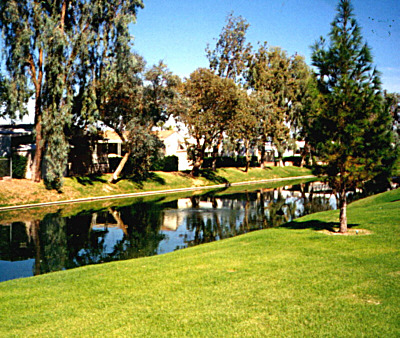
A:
(117, 172)
(343, 211)
(215, 153)
(304, 153)
(279, 163)
(37, 161)
(198, 160)
(247, 156)
(262, 161)
(196, 167)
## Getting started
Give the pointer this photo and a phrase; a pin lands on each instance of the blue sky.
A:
(177, 31)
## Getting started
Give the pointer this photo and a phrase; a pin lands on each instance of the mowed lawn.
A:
(289, 281)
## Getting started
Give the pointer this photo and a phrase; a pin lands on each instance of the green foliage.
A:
(133, 101)
(145, 149)
(4, 166)
(166, 163)
(350, 128)
(230, 162)
(279, 83)
(229, 58)
(58, 51)
(392, 104)
(212, 106)
(19, 164)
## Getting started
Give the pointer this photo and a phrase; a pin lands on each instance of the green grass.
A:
(289, 281)
(17, 192)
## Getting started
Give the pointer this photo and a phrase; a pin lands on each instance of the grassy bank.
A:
(17, 192)
(289, 281)
(72, 209)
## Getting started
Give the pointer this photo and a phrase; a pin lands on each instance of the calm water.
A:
(55, 242)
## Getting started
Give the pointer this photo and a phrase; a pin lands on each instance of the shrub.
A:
(167, 163)
(19, 164)
(171, 163)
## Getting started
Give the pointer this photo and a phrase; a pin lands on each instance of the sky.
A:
(178, 31)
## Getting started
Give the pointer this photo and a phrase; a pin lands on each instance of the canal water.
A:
(38, 242)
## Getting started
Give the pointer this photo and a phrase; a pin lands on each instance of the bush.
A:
(167, 163)
(4, 167)
(19, 164)
(171, 163)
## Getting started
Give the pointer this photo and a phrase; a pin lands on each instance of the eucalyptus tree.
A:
(229, 57)
(281, 83)
(132, 101)
(211, 108)
(229, 60)
(55, 51)
(392, 104)
(350, 128)
(246, 124)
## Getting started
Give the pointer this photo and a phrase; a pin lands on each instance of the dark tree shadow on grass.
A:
(138, 181)
(151, 177)
(90, 179)
(212, 176)
(156, 178)
(315, 225)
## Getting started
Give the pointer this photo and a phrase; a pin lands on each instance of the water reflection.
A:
(144, 229)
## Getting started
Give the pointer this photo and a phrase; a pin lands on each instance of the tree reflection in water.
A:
(145, 229)
(235, 214)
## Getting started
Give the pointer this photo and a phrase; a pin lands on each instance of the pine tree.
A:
(350, 131)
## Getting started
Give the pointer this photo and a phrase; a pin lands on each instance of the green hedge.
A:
(19, 164)
(4, 167)
(167, 163)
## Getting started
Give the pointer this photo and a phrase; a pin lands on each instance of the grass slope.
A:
(289, 281)
(17, 192)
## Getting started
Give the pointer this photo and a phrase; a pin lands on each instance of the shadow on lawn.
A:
(212, 176)
(151, 177)
(90, 179)
(315, 225)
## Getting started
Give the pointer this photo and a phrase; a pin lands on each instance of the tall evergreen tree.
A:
(350, 130)
(56, 51)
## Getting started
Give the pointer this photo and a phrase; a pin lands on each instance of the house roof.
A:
(163, 134)
(113, 136)
(16, 129)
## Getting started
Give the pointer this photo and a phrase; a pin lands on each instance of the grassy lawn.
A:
(18, 192)
(289, 281)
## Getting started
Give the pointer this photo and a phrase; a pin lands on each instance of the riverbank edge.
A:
(153, 192)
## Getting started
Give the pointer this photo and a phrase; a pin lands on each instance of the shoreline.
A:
(149, 193)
